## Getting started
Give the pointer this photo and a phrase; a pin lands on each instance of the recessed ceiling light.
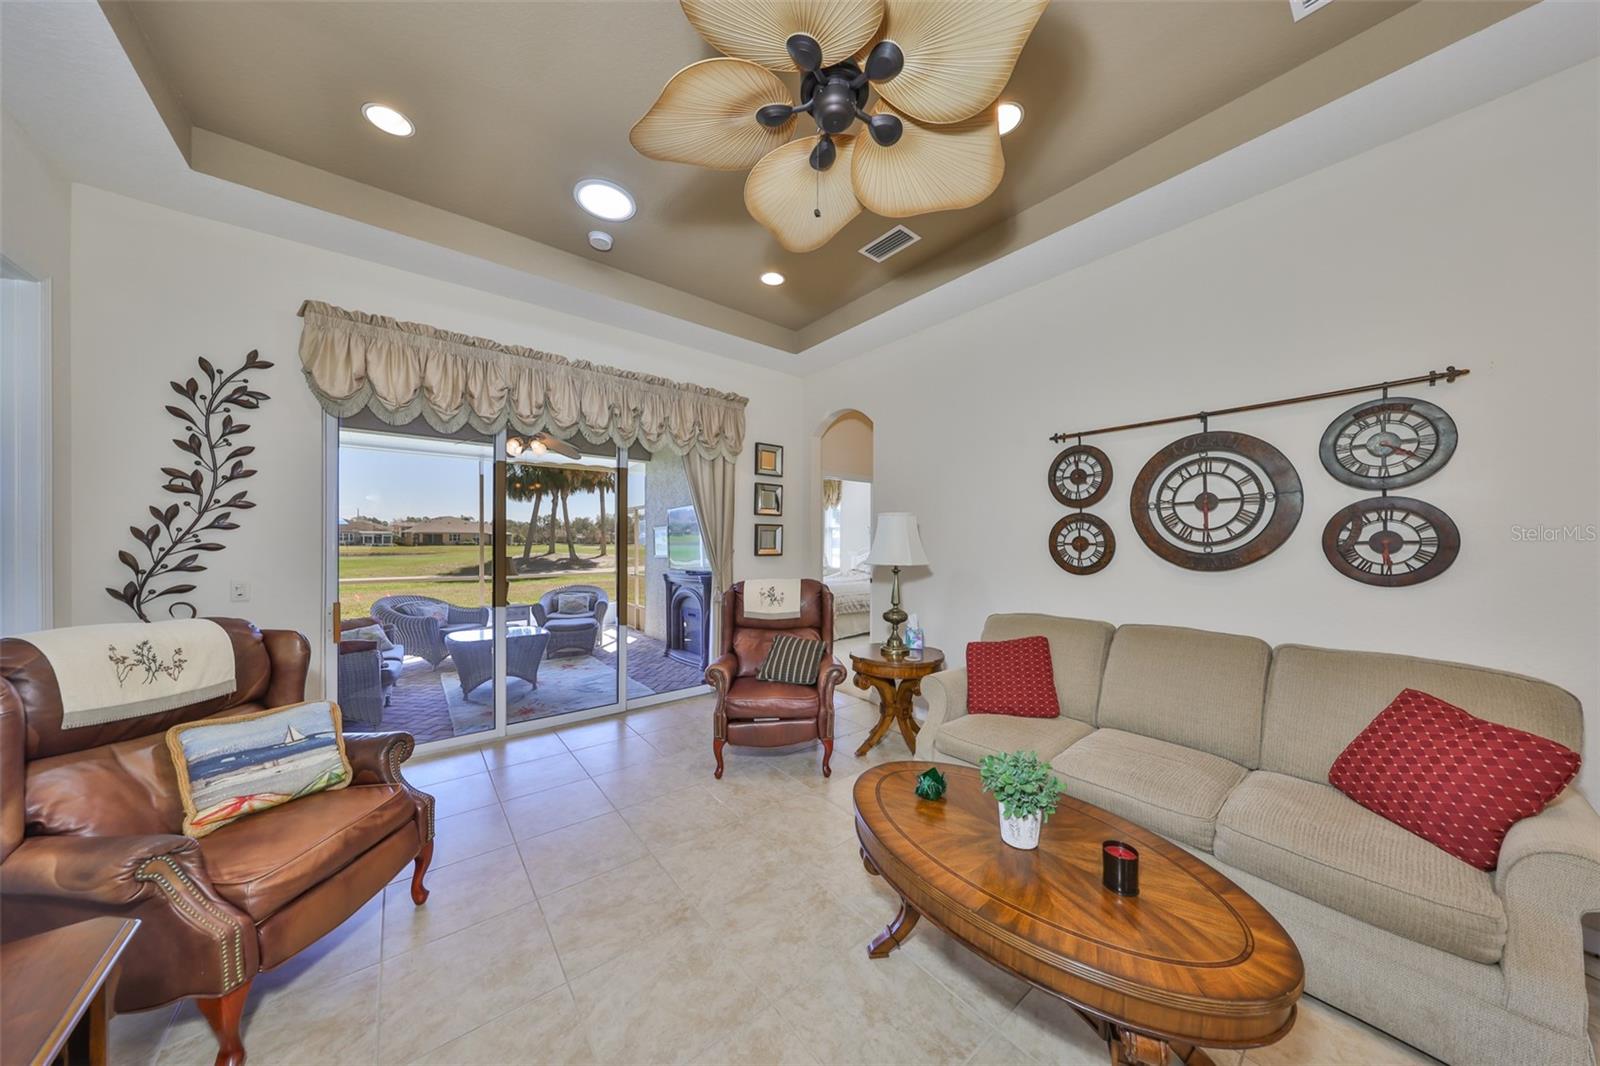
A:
(604, 199)
(772, 277)
(1010, 117)
(388, 119)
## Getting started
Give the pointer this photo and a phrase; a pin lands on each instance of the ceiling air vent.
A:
(1301, 8)
(896, 240)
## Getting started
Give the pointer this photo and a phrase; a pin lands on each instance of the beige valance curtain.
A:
(401, 371)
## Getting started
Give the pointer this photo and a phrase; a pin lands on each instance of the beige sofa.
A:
(1223, 744)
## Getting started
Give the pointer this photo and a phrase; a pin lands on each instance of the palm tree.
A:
(570, 479)
(558, 483)
(600, 481)
(524, 481)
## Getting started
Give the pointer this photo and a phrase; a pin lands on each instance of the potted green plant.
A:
(1026, 791)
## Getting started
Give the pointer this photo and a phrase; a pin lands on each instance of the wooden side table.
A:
(896, 681)
(54, 980)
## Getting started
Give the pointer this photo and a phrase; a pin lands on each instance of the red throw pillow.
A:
(1450, 777)
(1011, 677)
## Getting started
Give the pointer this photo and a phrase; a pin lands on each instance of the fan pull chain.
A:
(816, 203)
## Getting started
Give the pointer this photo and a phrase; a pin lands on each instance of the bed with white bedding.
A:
(852, 601)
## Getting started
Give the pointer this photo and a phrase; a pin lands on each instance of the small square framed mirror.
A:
(769, 460)
(769, 499)
(769, 539)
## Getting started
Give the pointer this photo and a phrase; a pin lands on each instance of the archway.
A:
(843, 490)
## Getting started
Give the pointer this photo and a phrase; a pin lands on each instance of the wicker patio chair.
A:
(572, 633)
(360, 684)
(425, 636)
(391, 660)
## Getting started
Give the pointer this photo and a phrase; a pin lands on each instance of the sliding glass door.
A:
(494, 584)
(416, 577)
(670, 638)
(562, 591)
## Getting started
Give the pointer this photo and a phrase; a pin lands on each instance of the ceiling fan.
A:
(921, 76)
(537, 446)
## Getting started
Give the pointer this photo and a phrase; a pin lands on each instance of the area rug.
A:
(566, 683)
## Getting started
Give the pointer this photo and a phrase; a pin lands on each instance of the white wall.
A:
(153, 289)
(35, 235)
(1471, 242)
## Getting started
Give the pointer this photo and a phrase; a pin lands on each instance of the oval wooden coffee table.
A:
(1190, 961)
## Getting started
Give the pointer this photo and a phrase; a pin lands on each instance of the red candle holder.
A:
(1119, 867)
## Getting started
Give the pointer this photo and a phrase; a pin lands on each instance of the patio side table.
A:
(473, 652)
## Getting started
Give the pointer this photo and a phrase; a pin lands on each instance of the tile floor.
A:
(598, 897)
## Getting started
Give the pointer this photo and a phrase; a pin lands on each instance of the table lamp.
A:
(896, 543)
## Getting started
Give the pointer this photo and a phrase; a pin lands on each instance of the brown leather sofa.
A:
(90, 824)
(767, 714)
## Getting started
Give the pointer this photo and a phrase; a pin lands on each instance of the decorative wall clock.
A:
(1216, 500)
(1080, 476)
(1391, 541)
(1082, 543)
(1388, 443)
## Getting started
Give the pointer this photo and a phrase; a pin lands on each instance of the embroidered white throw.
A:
(128, 669)
(772, 598)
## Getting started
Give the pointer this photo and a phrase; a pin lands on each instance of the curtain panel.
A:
(711, 485)
(401, 371)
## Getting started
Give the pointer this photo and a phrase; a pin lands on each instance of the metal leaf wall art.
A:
(184, 531)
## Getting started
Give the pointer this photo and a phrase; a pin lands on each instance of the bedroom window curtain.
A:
(401, 371)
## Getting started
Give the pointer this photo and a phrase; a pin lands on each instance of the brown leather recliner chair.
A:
(767, 714)
(90, 823)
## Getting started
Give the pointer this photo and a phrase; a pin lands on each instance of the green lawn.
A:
(430, 561)
(426, 571)
(356, 598)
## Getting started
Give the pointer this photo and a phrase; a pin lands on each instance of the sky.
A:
(391, 485)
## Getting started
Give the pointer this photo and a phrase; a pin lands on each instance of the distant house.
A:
(443, 531)
(366, 532)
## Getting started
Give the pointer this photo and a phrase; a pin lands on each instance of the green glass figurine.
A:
(931, 784)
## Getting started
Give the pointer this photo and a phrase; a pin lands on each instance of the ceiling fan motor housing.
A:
(835, 105)
(835, 96)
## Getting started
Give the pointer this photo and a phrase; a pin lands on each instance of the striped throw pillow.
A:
(792, 660)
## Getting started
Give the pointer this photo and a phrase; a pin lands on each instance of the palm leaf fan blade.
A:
(932, 168)
(560, 447)
(759, 30)
(785, 195)
(706, 116)
(959, 54)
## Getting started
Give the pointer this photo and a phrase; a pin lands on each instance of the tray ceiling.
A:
(515, 102)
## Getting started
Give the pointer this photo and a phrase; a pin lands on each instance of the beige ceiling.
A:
(514, 102)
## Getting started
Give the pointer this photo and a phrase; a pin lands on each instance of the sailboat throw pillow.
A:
(231, 767)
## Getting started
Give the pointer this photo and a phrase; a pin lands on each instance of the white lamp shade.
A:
(897, 542)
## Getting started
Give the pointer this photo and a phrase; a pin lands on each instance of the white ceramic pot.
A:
(1021, 832)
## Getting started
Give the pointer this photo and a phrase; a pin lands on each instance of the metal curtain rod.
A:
(1432, 377)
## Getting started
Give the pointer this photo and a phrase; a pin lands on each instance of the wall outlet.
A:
(239, 592)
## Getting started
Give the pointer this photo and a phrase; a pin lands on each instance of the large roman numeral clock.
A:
(1216, 501)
